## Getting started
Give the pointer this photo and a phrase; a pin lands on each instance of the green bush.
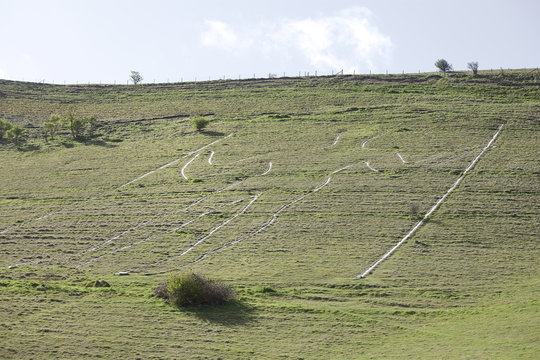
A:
(75, 124)
(192, 289)
(51, 127)
(16, 135)
(200, 123)
(4, 127)
(92, 124)
(265, 290)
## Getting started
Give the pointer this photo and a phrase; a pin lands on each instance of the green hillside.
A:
(297, 186)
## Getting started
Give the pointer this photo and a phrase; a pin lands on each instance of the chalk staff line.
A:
(471, 165)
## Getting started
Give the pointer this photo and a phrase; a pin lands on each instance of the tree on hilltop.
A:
(473, 66)
(136, 77)
(443, 66)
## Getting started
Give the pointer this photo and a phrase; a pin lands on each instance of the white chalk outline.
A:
(186, 165)
(269, 168)
(200, 240)
(401, 158)
(145, 222)
(175, 161)
(259, 230)
(129, 182)
(210, 158)
(372, 267)
(370, 167)
(365, 142)
(336, 141)
(152, 237)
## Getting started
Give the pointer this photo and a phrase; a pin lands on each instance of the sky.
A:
(82, 41)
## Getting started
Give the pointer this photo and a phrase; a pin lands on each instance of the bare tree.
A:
(136, 77)
(443, 65)
(473, 65)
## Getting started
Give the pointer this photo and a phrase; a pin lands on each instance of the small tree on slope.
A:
(474, 67)
(136, 77)
(443, 66)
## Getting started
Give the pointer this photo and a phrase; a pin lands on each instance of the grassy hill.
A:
(280, 203)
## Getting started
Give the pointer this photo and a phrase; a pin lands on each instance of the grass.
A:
(466, 285)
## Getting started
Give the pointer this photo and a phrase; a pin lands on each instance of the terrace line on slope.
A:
(125, 247)
(128, 183)
(150, 221)
(255, 232)
(199, 240)
(175, 161)
(372, 267)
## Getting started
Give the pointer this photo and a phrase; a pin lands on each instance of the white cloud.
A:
(2, 74)
(347, 40)
(222, 36)
(340, 41)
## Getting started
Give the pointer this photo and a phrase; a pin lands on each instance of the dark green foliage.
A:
(51, 127)
(443, 65)
(98, 283)
(193, 289)
(75, 124)
(200, 123)
(265, 290)
(4, 127)
(91, 122)
(16, 135)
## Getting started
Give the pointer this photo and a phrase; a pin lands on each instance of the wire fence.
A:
(255, 76)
